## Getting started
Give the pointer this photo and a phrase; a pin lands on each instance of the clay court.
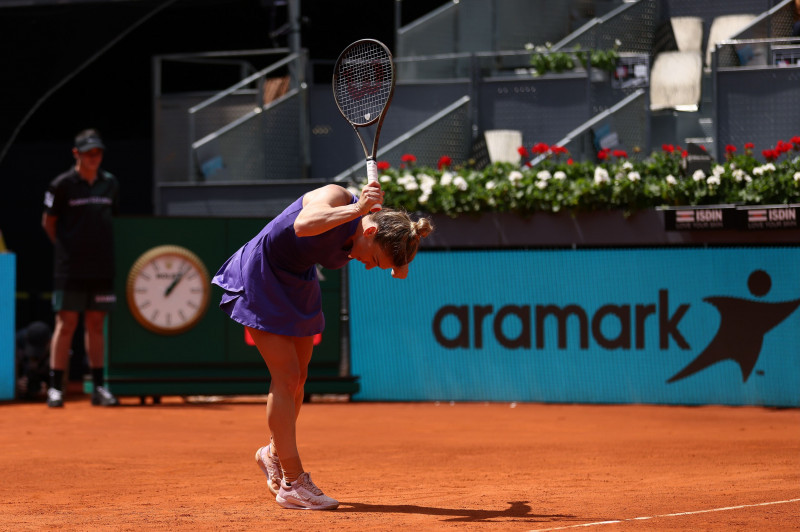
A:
(417, 466)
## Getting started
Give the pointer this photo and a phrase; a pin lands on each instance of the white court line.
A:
(667, 515)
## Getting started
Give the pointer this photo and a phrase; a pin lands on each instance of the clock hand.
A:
(175, 281)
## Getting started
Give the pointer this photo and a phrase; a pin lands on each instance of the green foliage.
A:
(559, 184)
(543, 60)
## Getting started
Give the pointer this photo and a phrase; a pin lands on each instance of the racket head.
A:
(363, 81)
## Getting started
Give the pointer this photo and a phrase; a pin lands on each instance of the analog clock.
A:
(168, 289)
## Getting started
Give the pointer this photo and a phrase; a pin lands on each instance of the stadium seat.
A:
(675, 81)
(723, 28)
(688, 33)
(502, 145)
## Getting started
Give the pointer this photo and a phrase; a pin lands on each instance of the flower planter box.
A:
(594, 229)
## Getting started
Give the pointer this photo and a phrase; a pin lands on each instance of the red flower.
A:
(770, 155)
(783, 147)
(602, 155)
(749, 145)
(684, 153)
(559, 149)
(444, 162)
(523, 152)
(408, 158)
(540, 147)
(570, 161)
(669, 148)
(383, 166)
(620, 154)
(730, 148)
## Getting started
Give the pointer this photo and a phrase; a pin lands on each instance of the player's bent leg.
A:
(281, 358)
(304, 346)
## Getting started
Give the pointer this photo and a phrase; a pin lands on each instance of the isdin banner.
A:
(645, 325)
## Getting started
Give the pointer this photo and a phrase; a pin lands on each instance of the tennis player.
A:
(271, 287)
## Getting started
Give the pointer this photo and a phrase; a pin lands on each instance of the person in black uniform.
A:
(79, 205)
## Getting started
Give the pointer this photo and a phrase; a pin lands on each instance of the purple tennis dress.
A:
(271, 282)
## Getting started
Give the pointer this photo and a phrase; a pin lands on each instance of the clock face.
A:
(168, 289)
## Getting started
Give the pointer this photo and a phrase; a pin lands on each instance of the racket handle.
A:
(372, 177)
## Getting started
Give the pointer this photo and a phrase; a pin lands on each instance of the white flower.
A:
(627, 165)
(713, 180)
(600, 175)
(560, 175)
(408, 182)
(515, 176)
(634, 176)
(619, 176)
(426, 184)
(460, 183)
(544, 175)
(385, 178)
(796, 176)
(447, 178)
(769, 167)
(529, 46)
(490, 185)
(718, 170)
(671, 180)
(698, 175)
(738, 175)
(541, 184)
(424, 197)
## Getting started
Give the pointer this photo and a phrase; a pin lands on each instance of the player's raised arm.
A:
(329, 206)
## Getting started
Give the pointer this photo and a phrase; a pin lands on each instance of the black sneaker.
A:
(102, 397)
(55, 398)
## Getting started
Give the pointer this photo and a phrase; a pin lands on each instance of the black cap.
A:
(87, 140)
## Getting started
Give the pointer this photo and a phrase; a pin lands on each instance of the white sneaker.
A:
(303, 494)
(55, 398)
(271, 466)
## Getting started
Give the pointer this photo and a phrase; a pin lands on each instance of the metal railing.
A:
(755, 103)
(776, 22)
(445, 133)
(622, 126)
(633, 23)
(219, 125)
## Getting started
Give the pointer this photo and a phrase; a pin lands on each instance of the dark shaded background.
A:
(44, 43)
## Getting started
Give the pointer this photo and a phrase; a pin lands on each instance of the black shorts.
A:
(84, 294)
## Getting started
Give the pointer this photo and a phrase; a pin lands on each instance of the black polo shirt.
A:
(84, 246)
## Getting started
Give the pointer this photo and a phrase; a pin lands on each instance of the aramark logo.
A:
(743, 325)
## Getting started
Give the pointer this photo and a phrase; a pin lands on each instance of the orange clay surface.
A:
(422, 466)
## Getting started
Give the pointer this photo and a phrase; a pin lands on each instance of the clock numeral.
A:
(154, 315)
(145, 304)
(191, 304)
(181, 314)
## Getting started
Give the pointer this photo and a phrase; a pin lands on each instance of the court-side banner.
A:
(675, 326)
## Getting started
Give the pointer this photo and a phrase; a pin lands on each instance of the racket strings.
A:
(363, 82)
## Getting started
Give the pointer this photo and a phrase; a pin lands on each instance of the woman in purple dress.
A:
(271, 288)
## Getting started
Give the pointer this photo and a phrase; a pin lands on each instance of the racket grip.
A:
(372, 177)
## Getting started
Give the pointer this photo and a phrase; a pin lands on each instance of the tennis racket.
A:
(363, 86)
